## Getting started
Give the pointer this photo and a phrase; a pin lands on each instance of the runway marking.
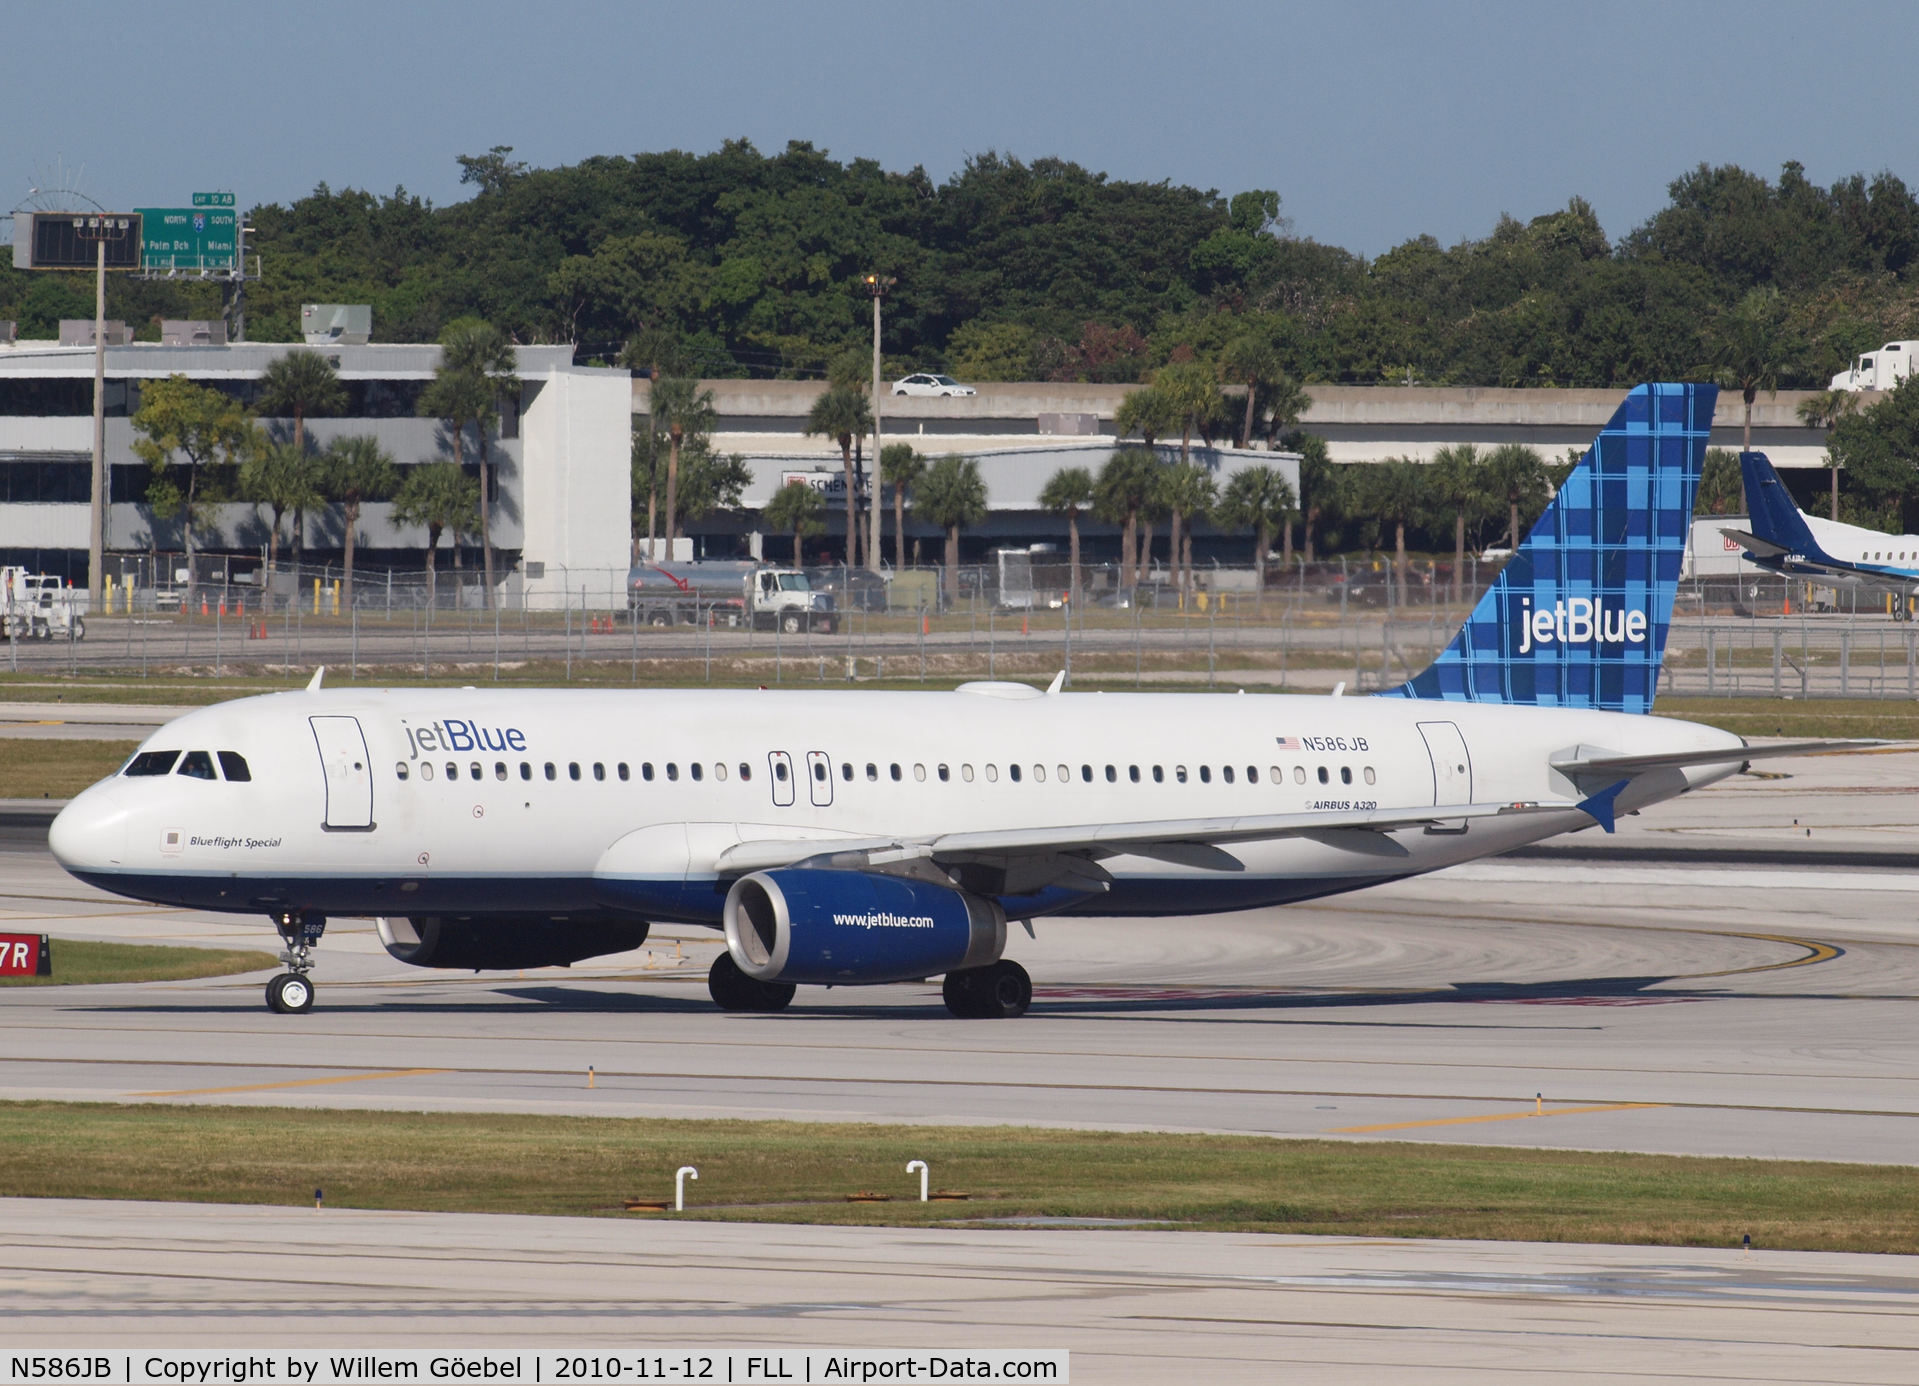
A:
(1495, 1116)
(1816, 952)
(298, 1083)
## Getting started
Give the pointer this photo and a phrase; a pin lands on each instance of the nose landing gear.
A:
(291, 993)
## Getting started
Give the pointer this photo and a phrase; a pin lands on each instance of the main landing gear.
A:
(291, 993)
(733, 990)
(998, 991)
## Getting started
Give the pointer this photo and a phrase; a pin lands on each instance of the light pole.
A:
(877, 285)
(99, 230)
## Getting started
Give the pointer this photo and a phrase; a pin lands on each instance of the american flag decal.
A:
(1289, 743)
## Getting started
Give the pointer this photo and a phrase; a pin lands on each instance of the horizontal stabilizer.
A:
(1680, 760)
(1765, 548)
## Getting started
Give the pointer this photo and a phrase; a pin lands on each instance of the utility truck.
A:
(728, 594)
(37, 606)
(1879, 370)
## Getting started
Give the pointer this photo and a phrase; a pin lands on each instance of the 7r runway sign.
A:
(26, 955)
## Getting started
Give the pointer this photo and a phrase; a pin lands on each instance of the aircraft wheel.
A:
(289, 994)
(732, 990)
(997, 992)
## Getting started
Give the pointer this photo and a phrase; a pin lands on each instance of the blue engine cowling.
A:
(853, 928)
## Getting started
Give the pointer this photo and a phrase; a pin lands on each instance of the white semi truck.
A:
(728, 594)
(1881, 369)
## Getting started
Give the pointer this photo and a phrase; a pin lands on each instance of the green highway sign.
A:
(213, 199)
(191, 240)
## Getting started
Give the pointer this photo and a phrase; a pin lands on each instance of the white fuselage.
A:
(474, 802)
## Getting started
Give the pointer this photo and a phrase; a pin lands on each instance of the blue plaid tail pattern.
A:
(1579, 615)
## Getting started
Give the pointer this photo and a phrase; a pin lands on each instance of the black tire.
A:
(1000, 991)
(290, 994)
(79, 628)
(732, 990)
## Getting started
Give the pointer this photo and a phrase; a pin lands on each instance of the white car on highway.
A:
(926, 383)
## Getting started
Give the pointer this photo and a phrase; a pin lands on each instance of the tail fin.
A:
(1774, 517)
(1578, 617)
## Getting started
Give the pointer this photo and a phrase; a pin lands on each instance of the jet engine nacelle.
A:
(506, 941)
(849, 928)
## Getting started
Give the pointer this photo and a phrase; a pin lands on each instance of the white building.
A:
(560, 458)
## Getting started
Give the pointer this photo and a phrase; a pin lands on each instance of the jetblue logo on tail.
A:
(1578, 616)
(1579, 621)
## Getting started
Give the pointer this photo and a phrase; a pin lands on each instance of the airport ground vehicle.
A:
(38, 606)
(728, 594)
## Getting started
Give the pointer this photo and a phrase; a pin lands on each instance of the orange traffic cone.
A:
(926, 625)
(203, 606)
(1022, 625)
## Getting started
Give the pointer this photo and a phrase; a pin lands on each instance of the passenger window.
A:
(625, 774)
(746, 771)
(1279, 776)
(646, 770)
(945, 774)
(1299, 774)
(1065, 774)
(475, 772)
(966, 773)
(719, 770)
(896, 772)
(779, 771)
(151, 763)
(1039, 774)
(1132, 773)
(819, 770)
(197, 765)
(499, 769)
(573, 770)
(599, 771)
(992, 773)
(1086, 773)
(452, 770)
(697, 771)
(1159, 774)
(1225, 773)
(672, 770)
(233, 765)
(526, 771)
(919, 773)
(1112, 774)
(1012, 772)
(872, 771)
(1324, 778)
(1252, 774)
(846, 770)
(399, 771)
(426, 769)
(1205, 774)
(1345, 774)
(1179, 773)
(1369, 775)
(551, 773)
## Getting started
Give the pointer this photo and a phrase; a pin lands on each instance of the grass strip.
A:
(78, 962)
(801, 1173)
(31, 768)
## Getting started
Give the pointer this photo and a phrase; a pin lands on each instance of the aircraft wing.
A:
(1183, 839)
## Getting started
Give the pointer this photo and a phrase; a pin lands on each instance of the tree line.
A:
(738, 263)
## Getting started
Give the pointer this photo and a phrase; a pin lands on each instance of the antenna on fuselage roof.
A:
(1059, 682)
(313, 685)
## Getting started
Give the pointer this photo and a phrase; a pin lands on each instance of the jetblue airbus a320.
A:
(848, 838)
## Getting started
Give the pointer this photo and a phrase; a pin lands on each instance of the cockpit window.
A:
(234, 766)
(152, 763)
(197, 765)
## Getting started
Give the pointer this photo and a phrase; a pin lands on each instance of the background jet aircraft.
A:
(1784, 539)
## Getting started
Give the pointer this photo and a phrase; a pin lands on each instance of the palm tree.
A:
(483, 353)
(901, 467)
(1516, 475)
(1824, 410)
(951, 495)
(1319, 484)
(1251, 360)
(1122, 492)
(1190, 393)
(796, 507)
(457, 396)
(356, 470)
(442, 497)
(1144, 411)
(1457, 481)
(1069, 491)
(841, 413)
(1395, 491)
(1185, 492)
(1257, 498)
(685, 414)
(298, 384)
(1750, 348)
(281, 477)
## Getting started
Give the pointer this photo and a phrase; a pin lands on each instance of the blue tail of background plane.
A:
(1579, 615)
(1774, 517)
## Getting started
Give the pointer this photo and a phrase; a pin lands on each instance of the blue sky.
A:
(1376, 122)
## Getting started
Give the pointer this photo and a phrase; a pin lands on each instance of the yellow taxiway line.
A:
(1494, 1116)
(296, 1083)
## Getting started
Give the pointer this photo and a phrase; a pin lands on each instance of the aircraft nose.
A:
(91, 831)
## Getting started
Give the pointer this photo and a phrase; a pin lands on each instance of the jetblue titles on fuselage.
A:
(459, 734)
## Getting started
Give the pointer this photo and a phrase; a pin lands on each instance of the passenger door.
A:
(1452, 767)
(819, 778)
(781, 765)
(349, 773)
